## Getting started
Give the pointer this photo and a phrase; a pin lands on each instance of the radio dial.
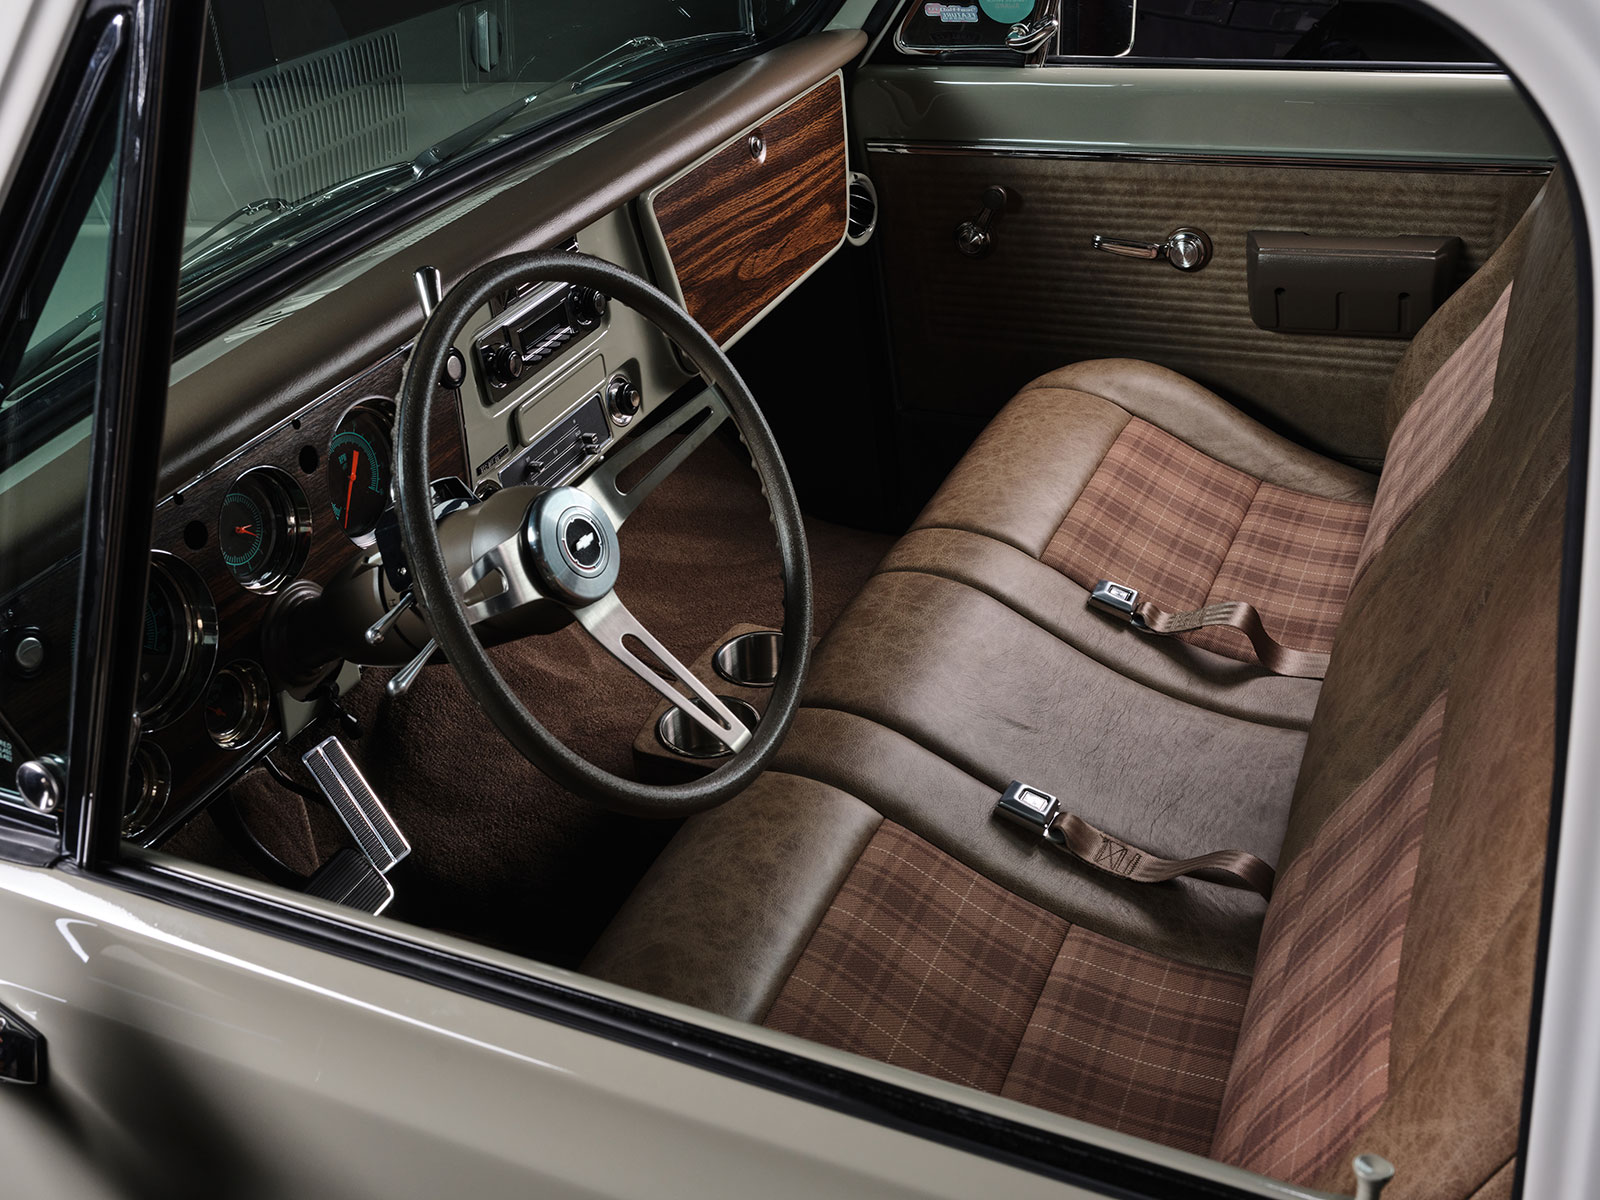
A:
(623, 400)
(503, 364)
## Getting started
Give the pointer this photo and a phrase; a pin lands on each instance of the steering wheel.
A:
(523, 559)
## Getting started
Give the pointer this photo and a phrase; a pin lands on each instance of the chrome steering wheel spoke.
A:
(518, 587)
(708, 408)
(611, 624)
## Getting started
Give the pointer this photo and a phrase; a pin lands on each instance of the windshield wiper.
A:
(276, 204)
(322, 204)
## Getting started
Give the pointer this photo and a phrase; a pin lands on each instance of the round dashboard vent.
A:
(863, 217)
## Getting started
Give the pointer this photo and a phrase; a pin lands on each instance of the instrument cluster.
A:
(294, 505)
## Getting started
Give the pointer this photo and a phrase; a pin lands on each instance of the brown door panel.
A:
(968, 332)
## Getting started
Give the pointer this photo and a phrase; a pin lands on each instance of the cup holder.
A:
(751, 659)
(683, 735)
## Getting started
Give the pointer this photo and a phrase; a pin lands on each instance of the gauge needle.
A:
(355, 458)
(244, 529)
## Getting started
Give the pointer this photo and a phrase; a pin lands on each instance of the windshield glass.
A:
(313, 111)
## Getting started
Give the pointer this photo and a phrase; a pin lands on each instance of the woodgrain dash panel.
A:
(739, 231)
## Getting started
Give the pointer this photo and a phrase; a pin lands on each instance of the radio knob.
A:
(454, 373)
(503, 364)
(623, 400)
(587, 305)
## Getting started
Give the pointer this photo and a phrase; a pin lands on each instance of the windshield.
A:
(313, 111)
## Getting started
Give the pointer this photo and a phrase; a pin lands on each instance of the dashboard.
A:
(551, 377)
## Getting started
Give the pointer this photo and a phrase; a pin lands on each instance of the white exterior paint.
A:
(33, 37)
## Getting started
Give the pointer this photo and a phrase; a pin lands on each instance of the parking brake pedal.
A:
(375, 833)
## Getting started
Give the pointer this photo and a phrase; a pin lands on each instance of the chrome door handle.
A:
(1187, 249)
(21, 1050)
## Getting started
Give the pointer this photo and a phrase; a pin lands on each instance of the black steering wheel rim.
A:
(435, 590)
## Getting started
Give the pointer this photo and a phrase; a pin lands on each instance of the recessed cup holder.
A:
(685, 736)
(751, 659)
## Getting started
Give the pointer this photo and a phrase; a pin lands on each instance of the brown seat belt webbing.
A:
(1123, 601)
(1042, 812)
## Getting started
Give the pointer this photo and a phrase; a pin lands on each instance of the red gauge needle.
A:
(350, 490)
(244, 529)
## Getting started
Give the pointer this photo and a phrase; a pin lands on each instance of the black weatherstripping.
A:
(67, 155)
(905, 1110)
(125, 450)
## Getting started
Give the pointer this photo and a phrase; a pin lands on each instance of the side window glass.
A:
(49, 368)
(1309, 31)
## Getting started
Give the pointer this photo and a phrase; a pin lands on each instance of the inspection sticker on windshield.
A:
(953, 14)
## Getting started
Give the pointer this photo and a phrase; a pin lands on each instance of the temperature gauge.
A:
(358, 468)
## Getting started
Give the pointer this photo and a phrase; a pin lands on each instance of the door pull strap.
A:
(1040, 811)
(1123, 601)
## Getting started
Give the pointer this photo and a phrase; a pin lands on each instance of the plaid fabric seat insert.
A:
(1187, 531)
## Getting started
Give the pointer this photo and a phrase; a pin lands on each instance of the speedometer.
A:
(264, 529)
(359, 459)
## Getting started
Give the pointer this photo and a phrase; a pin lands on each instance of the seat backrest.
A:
(1394, 979)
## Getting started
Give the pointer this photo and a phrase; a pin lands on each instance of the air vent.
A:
(863, 218)
(333, 116)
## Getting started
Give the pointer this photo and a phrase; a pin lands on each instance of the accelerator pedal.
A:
(355, 877)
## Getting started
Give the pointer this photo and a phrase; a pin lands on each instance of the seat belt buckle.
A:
(1028, 806)
(1115, 598)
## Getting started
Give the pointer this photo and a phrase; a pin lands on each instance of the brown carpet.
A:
(501, 854)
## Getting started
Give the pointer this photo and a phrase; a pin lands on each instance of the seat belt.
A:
(1123, 601)
(1040, 811)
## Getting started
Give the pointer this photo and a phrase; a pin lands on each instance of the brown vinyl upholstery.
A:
(863, 895)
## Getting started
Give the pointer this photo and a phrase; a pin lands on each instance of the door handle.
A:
(21, 1050)
(1187, 249)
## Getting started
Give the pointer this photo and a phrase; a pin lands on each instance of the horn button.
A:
(572, 545)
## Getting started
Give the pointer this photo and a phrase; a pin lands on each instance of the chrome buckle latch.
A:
(1118, 599)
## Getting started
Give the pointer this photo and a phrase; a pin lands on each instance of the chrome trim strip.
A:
(1215, 160)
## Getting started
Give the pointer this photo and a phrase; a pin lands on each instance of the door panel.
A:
(969, 332)
(1137, 151)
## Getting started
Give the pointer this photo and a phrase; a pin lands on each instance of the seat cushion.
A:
(924, 963)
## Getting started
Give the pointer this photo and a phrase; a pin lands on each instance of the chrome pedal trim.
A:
(350, 879)
(356, 803)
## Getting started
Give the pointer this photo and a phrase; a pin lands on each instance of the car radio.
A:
(534, 326)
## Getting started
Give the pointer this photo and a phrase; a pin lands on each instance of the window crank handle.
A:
(1187, 249)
